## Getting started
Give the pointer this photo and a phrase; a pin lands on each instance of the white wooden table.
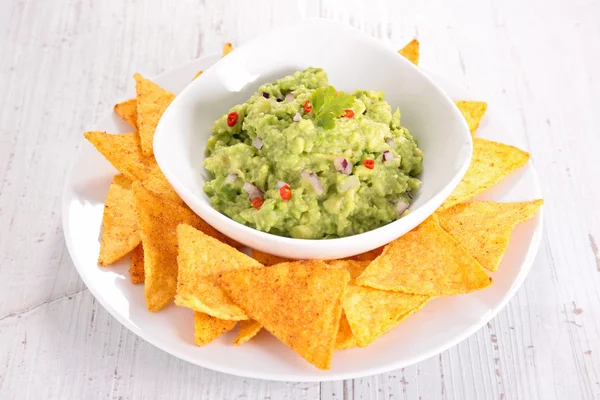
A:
(64, 63)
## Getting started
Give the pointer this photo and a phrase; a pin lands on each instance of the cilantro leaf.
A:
(327, 105)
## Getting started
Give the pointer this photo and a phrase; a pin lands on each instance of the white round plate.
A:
(439, 325)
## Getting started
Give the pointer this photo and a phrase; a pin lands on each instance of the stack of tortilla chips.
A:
(314, 307)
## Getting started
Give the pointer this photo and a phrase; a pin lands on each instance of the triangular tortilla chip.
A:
(268, 259)
(473, 112)
(345, 338)
(207, 328)
(158, 219)
(491, 163)
(372, 312)
(227, 48)
(248, 329)
(198, 74)
(123, 152)
(201, 260)
(152, 101)
(128, 111)
(136, 271)
(368, 256)
(354, 267)
(298, 302)
(120, 231)
(411, 51)
(483, 228)
(425, 261)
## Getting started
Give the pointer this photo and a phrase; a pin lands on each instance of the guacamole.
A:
(302, 160)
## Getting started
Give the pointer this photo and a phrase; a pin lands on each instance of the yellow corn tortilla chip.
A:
(483, 228)
(152, 101)
(201, 260)
(491, 163)
(123, 152)
(372, 312)
(473, 112)
(120, 231)
(368, 256)
(136, 271)
(411, 51)
(198, 74)
(248, 329)
(128, 111)
(268, 259)
(345, 338)
(354, 267)
(227, 48)
(158, 219)
(298, 302)
(207, 328)
(425, 261)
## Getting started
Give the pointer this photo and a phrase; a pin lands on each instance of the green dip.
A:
(275, 142)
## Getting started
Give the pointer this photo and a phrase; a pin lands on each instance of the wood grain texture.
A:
(65, 63)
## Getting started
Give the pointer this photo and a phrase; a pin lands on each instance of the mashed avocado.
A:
(300, 159)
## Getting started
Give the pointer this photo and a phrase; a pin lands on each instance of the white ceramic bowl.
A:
(355, 61)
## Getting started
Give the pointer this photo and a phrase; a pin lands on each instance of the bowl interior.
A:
(356, 61)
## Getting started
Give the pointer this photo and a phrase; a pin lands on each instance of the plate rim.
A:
(328, 375)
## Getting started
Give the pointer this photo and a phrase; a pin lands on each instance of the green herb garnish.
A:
(327, 105)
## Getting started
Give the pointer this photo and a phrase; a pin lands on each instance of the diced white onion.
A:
(252, 190)
(289, 98)
(401, 207)
(390, 142)
(231, 178)
(297, 117)
(313, 179)
(342, 165)
(257, 142)
(388, 156)
(281, 184)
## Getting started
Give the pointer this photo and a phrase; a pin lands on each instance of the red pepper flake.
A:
(369, 163)
(232, 118)
(285, 192)
(348, 114)
(307, 106)
(257, 202)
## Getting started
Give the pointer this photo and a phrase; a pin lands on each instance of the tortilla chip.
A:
(128, 111)
(152, 101)
(368, 256)
(345, 338)
(491, 163)
(473, 112)
(298, 302)
(198, 74)
(483, 228)
(120, 231)
(411, 51)
(136, 271)
(354, 268)
(425, 261)
(207, 328)
(201, 260)
(227, 48)
(268, 259)
(123, 152)
(248, 329)
(158, 219)
(372, 312)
